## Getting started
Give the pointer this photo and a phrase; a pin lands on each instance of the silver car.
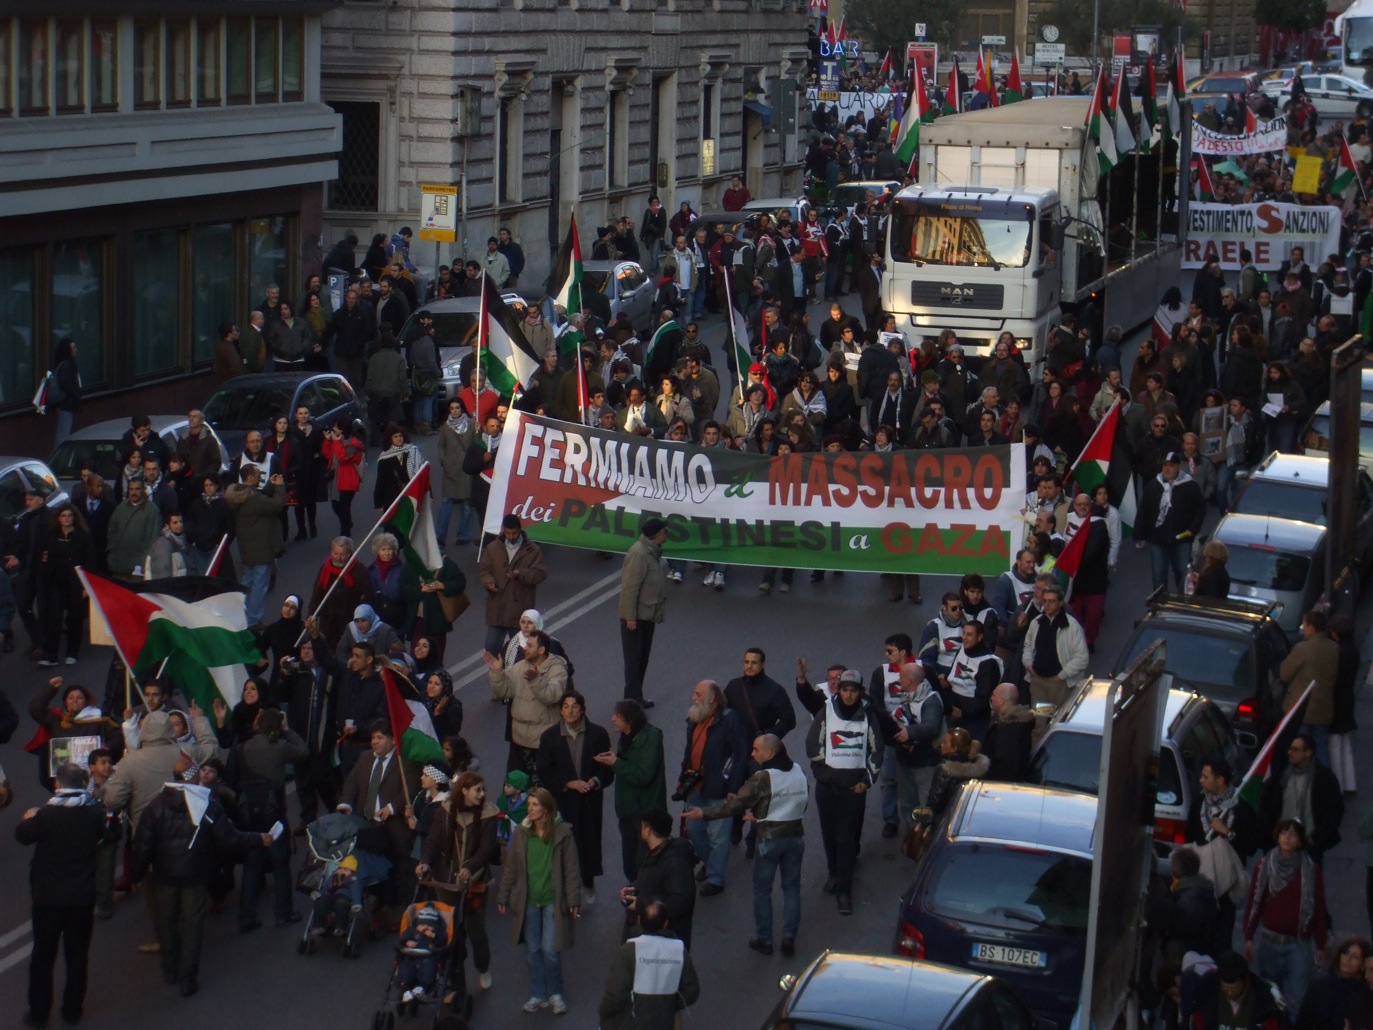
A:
(18, 475)
(1315, 438)
(97, 447)
(627, 289)
(1275, 560)
(1333, 96)
(456, 325)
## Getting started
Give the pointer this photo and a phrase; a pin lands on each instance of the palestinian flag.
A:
(1099, 128)
(887, 73)
(1123, 117)
(411, 519)
(1177, 89)
(1346, 175)
(738, 327)
(194, 624)
(1015, 90)
(504, 354)
(918, 113)
(410, 723)
(1251, 787)
(1148, 108)
(1070, 559)
(953, 96)
(1205, 190)
(566, 285)
(667, 327)
(1100, 462)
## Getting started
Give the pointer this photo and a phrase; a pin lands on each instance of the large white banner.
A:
(1269, 230)
(1269, 137)
(854, 102)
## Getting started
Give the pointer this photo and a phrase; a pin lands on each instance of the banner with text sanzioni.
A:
(945, 512)
(1267, 230)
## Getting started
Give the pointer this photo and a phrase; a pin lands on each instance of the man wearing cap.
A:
(844, 745)
(643, 601)
(1171, 510)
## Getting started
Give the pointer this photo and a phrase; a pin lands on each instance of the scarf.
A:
(461, 424)
(1165, 503)
(1276, 871)
(817, 405)
(72, 797)
(894, 401)
(514, 651)
(431, 703)
(1218, 806)
(330, 572)
(491, 442)
(364, 611)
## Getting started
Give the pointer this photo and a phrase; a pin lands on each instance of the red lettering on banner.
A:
(900, 487)
(994, 542)
(1269, 219)
(988, 482)
(845, 491)
(873, 490)
(958, 472)
(926, 468)
(896, 538)
(817, 482)
(931, 540)
(961, 535)
(784, 480)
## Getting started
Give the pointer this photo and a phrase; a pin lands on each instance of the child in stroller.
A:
(425, 933)
(337, 878)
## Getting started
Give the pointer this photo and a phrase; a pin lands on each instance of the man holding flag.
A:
(1084, 562)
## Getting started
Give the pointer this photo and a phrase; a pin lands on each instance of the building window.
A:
(147, 63)
(6, 66)
(104, 77)
(155, 262)
(77, 303)
(268, 246)
(359, 160)
(292, 59)
(70, 67)
(238, 61)
(509, 150)
(33, 66)
(17, 337)
(212, 297)
(616, 135)
(708, 111)
(179, 62)
(209, 63)
(265, 80)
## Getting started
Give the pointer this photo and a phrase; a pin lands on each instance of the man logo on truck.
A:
(956, 294)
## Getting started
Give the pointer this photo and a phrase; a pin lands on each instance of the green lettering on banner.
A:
(936, 512)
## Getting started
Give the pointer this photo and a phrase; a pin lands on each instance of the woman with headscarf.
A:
(366, 628)
(278, 641)
(443, 706)
(236, 726)
(422, 653)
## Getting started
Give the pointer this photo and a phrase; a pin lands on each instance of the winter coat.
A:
(665, 875)
(396, 466)
(534, 703)
(1313, 658)
(724, 759)
(425, 609)
(763, 705)
(355, 589)
(345, 458)
(640, 774)
(622, 1008)
(139, 776)
(953, 773)
(179, 853)
(1185, 514)
(53, 721)
(460, 840)
(643, 584)
(583, 812)
(816, 737)
(516, 581)
(132, 531)
(257, 527)
(386, 375)
(567, 883)
(457, 484)
(1010, 738)
(65, 839)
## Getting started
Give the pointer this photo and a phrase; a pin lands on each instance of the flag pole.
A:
(357, 549)
(218, 556)
(481, 340)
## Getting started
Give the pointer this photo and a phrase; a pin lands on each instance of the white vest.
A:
(846, 740)
(891, 691)
(963, 676)
(950, 642)
(658, 963)
(1024, 589)
(790, 795)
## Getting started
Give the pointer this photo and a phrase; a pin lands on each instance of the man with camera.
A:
(309, 690)
(713, 768)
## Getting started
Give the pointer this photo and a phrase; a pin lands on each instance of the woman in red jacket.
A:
(344, 452)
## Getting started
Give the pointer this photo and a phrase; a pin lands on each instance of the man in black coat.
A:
(870, 291)
(1170, 515)
(65, 833)
(665, 876)
(349, 337)
(1010, 737)
(1304, 790)
(309, 691)
(1218, 810)
(764, 706)
(567, 767)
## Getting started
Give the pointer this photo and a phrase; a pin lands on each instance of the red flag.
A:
(1015, 89)
(1206, 192)
(1251, 124)
(1070, 561)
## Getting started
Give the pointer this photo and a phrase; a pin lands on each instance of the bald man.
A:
(1010, 736)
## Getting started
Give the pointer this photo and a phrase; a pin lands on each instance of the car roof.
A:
(261, 380)
(1302, 470)
(1365, 407)
(114, 428)
(1059, 820)
(894, 992)
(9, 460)
(1086, 712)
(773, 203)
(1228, 614)
(1260, 530)
(452, 305)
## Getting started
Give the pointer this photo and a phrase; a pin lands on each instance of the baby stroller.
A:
(338, 877)
(406, 990)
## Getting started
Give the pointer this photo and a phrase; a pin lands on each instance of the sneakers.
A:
(407, 997)
(151, 948)
(765, 587)
(786, 588)
(418, 991)
(674, 575)
(48, 663)
(709, 581)
(588, 897)
(485, 980)
(719, 582)
(559, 1006)
(534, 1004)
(71, 660)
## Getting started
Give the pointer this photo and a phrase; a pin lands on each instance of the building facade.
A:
(160, 163)
(541, 107)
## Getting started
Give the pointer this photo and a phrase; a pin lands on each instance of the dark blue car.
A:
(1003, 889)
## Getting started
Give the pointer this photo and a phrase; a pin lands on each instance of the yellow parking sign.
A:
(439, 213)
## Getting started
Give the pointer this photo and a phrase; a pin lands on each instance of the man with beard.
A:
(353, 589)
(713, 767)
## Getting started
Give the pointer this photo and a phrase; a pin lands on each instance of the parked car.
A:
(841, 991)
(456, 324)
(19, 475)
(1003, 888)
(1315, 438)
(1333, 96)
(626, 286)
(1228, 650)
(1276, 560)
(1297, 487)
(252, 401)
(1068, 755)
(97, 447)
(1243, 83)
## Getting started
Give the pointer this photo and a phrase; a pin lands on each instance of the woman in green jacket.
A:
(541, 887)
(640, 777)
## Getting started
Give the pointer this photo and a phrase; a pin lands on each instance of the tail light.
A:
(1170, 831)
(1247, 711)
(910, 942)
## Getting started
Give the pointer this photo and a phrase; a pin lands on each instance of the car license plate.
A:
(1005, 956)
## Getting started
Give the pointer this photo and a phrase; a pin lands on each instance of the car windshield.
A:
(1013, 889)
(1220, 668)
(1358, 41)
(451, 329)
(1318, 435)
(1280, 500)
(252, 408)
(1268, 568)
(100, 456)
(963, 233)
(1068, 760)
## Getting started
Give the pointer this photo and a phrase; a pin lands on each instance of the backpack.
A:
(260, 804)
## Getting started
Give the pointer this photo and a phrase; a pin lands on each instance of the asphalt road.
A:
(261, 981)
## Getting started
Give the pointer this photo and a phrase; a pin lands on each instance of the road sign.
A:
(1048, 54)
(993, 40)
(920, 29)
(439, 213)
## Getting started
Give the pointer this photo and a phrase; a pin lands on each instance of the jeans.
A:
(64, 426)
(466, 517)
(710, 839)
(424, 411)
(256, 579)
(1174, 556)
(834, 272)
(841, 818)
(541, 951)
(901, 787)
(1225, 480)
(886, 781)
(784, 854)
(71, 927)
(636, 645)
(1287, 965)
(412, 969)
(1321, 735)
(256, 863)
(698, 295)
(654, 257)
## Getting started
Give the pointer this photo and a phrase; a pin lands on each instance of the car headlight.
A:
(453, 369)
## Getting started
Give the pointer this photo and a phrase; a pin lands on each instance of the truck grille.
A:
(964, 296)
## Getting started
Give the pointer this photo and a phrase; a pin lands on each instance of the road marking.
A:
(14, 935)
(16, 958)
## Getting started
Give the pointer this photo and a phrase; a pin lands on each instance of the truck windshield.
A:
(964, 234)
(1358, 41)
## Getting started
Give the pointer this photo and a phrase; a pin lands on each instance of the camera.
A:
(291, 664)
(686, 784)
